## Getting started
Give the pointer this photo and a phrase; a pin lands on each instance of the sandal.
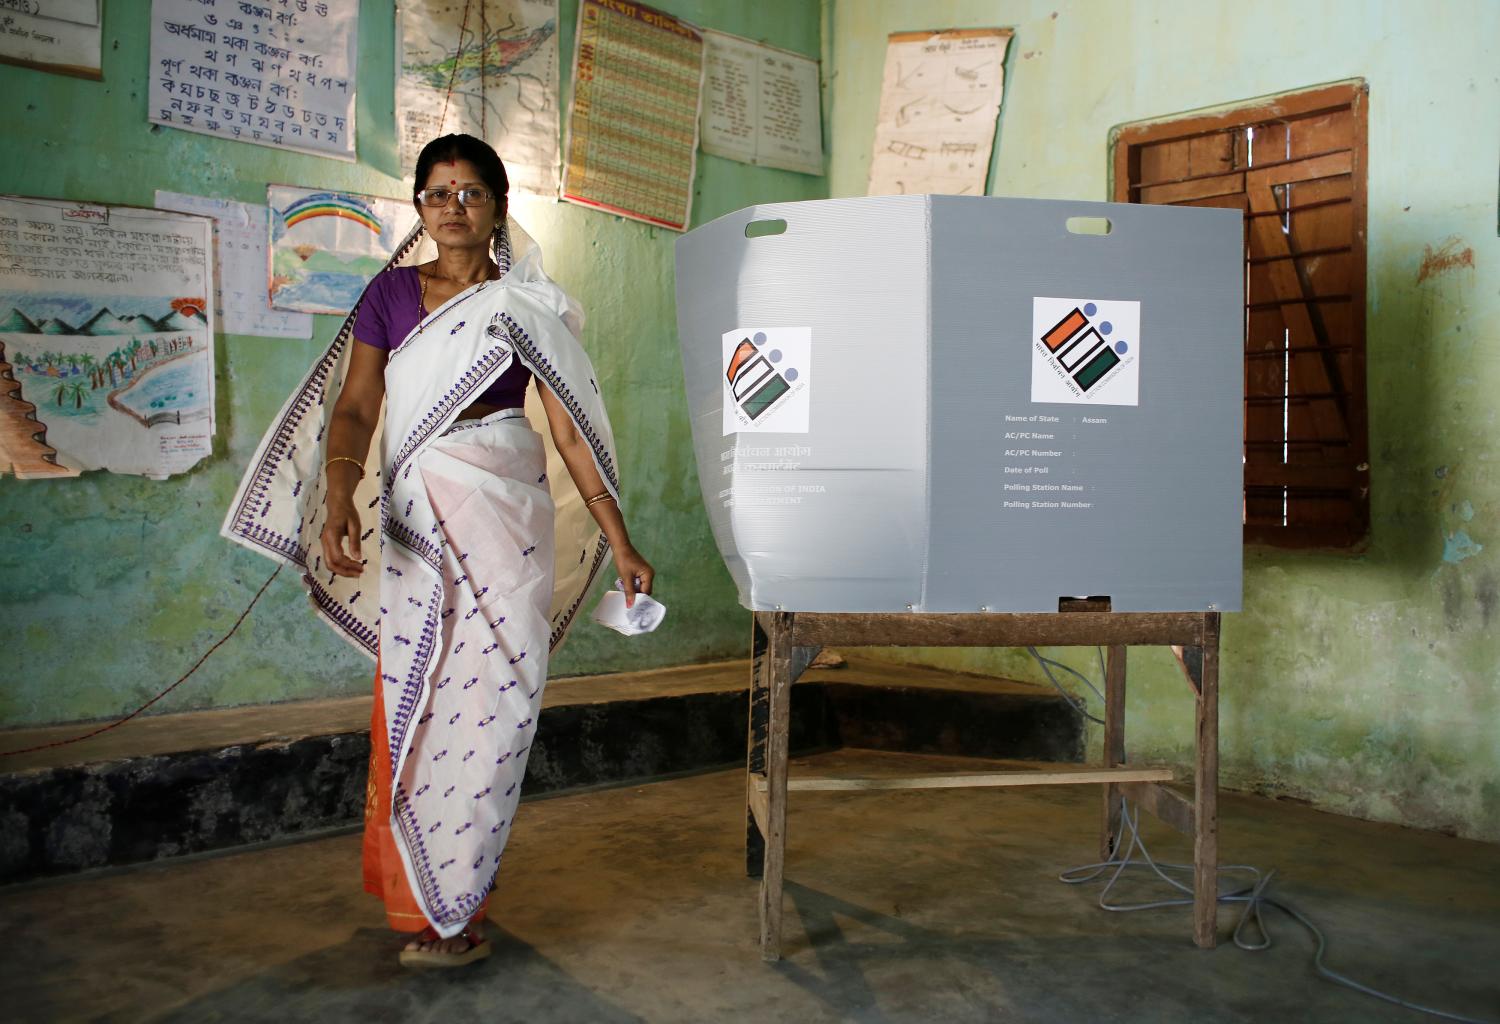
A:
(479, 948)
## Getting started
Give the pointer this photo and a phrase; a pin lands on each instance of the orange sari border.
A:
(384, 875)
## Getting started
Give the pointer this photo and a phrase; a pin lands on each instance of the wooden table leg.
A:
(1114, 746)
(778, 679)
(755, 752)
(1206, 794)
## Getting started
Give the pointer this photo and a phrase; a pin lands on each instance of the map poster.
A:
(938, 105)
(106, 339)
(761, 105)
(62, 36)
(633, 130)
(325, 246)
(273, 72)
(487, 69)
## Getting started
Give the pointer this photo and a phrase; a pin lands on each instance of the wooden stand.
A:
(785, 642)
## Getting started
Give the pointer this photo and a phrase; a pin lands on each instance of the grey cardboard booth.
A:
(958, 404)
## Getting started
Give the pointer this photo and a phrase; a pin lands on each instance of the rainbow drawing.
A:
(331, 204)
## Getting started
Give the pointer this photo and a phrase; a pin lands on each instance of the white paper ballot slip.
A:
(643, 617)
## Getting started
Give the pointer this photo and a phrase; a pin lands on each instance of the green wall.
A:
(111, 586)
(1370, 683)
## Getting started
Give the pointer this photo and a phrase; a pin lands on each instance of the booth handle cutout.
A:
(761, 228)
(1089, 225)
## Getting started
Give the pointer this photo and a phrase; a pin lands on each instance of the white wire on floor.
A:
(1253, 896)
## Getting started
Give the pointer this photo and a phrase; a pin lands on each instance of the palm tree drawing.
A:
(74, 390)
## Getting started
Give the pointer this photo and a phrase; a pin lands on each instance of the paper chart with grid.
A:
(633, 131)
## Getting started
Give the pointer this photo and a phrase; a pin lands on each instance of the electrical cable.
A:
(180, 680)
(1075, 702)
(1253, 896)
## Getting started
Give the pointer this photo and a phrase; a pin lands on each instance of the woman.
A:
(484, 562)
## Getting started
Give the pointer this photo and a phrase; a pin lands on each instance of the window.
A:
(1294, 165)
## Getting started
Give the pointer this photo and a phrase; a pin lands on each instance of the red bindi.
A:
(451, 182)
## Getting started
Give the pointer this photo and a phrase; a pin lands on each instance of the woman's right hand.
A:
(342, 524)
(354, 417)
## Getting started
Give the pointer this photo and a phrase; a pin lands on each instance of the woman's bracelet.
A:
(606, 496)
(345, 458)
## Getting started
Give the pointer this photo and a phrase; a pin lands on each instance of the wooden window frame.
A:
(1126, 144)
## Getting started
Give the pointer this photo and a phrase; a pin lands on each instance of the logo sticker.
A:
(1085, 351)
(767, 384)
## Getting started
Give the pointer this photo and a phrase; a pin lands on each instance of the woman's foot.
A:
(427, 949)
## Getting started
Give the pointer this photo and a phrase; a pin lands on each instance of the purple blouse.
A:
(389, 314)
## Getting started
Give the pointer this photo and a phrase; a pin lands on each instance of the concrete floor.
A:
(631, 905)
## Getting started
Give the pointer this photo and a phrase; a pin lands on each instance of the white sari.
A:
(486, 553)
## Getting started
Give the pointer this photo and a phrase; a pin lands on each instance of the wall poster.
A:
(240, 260)
(106, 339)
(274, 72)
(938, 105)
(487, 69)
(62, 36)
(633, 130)
(325, 246)
(761, 105)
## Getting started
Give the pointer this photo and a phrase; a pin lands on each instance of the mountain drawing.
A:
(18, 323)
(103, 323)
(176, 321)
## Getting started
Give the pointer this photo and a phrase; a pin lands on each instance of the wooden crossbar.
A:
(1052, 775)
(758, 809)
(1075, 629)
(1166, 804)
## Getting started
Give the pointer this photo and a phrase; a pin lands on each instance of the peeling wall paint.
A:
(1370, 683)
(111, 586)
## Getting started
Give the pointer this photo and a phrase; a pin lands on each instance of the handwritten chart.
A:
(761, 105)
(938, 104)
(633, 130)
(106, 328)
(240, 260)
(274, 72)
(488, 69)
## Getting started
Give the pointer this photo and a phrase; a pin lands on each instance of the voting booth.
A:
(963, 404)
(972, 422)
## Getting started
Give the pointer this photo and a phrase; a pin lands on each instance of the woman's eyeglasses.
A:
(466, 196)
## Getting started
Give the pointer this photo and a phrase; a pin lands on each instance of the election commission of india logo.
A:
(767, 380)
(1085, 351)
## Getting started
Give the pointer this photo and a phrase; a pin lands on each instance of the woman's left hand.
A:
(635, 573)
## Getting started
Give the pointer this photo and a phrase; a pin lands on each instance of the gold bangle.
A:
(345, 458)
(606, 496)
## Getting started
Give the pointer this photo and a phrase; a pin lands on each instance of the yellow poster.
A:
(633, 131)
